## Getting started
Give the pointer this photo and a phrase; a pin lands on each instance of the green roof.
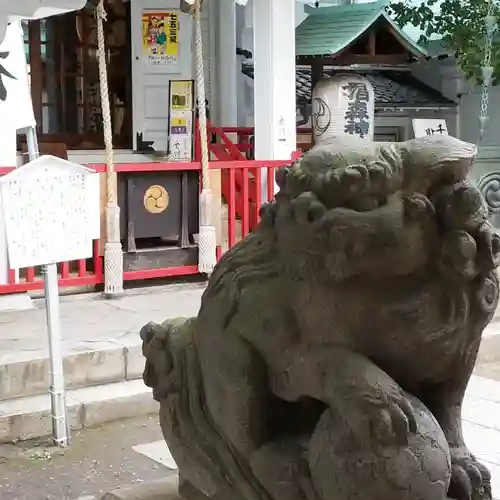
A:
(328, 30)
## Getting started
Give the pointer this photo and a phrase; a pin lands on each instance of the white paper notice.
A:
(47, 216)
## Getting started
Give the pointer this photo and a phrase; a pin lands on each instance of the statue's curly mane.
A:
(355, 175)
(256, 256)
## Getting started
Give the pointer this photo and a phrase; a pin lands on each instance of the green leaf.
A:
(459, 23)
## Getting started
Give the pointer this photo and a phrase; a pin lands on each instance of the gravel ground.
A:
(98, 461)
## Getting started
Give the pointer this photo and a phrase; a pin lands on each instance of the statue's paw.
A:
(385, 422)
(159, 362)
(470, 480)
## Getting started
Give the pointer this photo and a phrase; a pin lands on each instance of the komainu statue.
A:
(334, 344)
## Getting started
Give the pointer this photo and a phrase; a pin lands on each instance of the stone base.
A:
(163, 489)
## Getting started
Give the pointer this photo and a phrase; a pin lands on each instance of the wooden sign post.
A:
(51, 215)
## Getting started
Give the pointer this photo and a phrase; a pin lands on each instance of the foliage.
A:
(459, 23)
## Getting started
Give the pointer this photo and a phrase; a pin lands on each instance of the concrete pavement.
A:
(133, 453)
(89, 321)
(103, 366)
(103, 362)
(98, 461)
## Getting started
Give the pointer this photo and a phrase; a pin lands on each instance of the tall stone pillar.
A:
(228, 63)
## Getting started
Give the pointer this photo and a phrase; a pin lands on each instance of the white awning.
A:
(34, 9)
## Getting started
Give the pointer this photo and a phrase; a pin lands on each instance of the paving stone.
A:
(134, 361)
(24, 378)
(27, 418)
(109, 402)
(102, 365)
(163, 489)
(15, 302)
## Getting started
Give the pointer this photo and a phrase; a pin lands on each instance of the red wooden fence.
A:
(89, 272)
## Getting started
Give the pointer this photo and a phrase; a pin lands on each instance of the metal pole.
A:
(60, 427)
(57, 397)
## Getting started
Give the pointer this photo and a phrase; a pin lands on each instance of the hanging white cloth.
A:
(15, 95)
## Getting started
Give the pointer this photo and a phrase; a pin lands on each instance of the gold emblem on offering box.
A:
(156, 199)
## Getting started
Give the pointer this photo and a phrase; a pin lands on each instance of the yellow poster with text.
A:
(160, 37)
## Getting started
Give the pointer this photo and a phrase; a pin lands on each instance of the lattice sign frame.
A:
(49, 211)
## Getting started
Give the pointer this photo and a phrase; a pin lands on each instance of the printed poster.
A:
(160, 37)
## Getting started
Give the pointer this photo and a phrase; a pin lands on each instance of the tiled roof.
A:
(392, 89)
(328, 30)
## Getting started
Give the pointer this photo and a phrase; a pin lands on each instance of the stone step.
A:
(30, 417)
(28, 374)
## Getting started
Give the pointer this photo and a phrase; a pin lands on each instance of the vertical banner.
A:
(16, 104)
(15, 94)
(181, 120)
(160, 38)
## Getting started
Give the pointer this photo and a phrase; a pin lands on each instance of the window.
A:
(388, 134)
(64, 76)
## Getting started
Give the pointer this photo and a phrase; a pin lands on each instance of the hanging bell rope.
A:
(207, 238)
(113, 255)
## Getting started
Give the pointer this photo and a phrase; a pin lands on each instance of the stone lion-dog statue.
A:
(334, 344)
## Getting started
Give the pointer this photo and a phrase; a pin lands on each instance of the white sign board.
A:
(49, 213)
(423, 127)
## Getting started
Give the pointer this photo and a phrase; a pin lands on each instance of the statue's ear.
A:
(458, 255)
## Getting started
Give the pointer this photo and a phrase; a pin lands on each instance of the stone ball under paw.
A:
(344, 469)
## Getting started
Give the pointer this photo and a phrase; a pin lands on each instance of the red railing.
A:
(90, 272)
(223, 149)
(79, 273)
(245, 137)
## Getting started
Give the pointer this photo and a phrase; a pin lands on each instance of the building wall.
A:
(444, 76)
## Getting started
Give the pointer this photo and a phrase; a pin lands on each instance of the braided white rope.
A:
(207, 236)
(106, 110)
(113, 255)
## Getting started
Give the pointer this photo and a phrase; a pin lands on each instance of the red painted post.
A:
(270, 183)
(64, 270)
(245, 201)
(30, 274)
(82, 268)
(231, 209)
